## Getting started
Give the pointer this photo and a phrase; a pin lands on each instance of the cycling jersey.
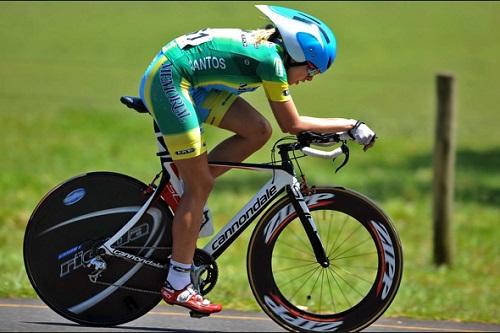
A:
(196, 78)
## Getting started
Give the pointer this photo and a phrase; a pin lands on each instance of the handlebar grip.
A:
(322, 154)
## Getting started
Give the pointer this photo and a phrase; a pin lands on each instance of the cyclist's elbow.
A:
(293, 128)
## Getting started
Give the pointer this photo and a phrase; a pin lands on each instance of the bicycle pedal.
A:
(196, 314)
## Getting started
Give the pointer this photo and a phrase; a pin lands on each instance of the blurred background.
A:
(64, 66)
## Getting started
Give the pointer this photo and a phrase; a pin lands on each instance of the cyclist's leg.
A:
(198, 182)
(233, 113)
(166, 95)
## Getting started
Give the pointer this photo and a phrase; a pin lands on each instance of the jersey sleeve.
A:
(274, 79)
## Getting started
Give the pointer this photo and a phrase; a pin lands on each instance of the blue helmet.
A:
(305, 37)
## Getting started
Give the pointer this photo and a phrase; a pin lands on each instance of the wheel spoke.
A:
(356, 255)
(346, 282)
(329, 251)
(295, 259)
(354, 274)
(346, 239)
(293, 247)
(312, 272)
(281, 270)
(331, 272)
(332, 297)
(352, 248)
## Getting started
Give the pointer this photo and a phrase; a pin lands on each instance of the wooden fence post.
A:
(444, 169)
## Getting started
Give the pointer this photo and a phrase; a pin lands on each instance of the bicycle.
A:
(96, 247)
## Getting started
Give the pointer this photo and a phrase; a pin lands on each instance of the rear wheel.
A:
(62, 235)
(358, 285)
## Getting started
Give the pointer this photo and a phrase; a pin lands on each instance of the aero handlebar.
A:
(322, 154)
(323, 140)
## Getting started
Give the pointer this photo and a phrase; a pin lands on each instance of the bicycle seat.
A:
(134, 103)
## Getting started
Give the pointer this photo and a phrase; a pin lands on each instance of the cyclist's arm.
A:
(291, 122)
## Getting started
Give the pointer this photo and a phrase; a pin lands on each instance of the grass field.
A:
(64, 65)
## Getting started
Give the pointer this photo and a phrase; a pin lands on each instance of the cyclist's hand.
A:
(362, 134)
(371, 144)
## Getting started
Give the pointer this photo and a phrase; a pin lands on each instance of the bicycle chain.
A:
(213, 273)
(126, 288)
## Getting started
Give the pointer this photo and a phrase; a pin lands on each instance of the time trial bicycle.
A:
(320, 258)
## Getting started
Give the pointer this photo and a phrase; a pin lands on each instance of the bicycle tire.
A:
(361, 281)
(74, 217)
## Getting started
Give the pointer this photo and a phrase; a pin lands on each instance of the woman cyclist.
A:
(197, 78)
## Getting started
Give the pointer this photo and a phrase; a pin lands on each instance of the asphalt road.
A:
(24, 315)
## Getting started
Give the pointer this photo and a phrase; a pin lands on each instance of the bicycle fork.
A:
(306, 219)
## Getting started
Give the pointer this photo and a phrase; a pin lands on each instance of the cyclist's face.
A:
(298, 74)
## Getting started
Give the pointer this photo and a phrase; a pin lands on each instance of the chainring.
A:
(205, 272)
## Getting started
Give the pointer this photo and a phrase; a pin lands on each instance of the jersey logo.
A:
(177, 106)
(208, 63)
(278, 67)
(184, 151)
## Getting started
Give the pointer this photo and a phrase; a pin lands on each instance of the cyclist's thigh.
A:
(212, 104)
(166, 95)
(228, 111)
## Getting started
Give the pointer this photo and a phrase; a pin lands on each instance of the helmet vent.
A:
(311, 18)
(324, 35)
(301, 19)
(329, 62)
(298, 18)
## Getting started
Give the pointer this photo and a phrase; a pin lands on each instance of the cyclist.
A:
(197, 78)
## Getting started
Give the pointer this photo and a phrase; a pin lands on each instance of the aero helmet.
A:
(305, 37)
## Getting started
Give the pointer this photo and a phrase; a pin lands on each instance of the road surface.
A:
(26, 315)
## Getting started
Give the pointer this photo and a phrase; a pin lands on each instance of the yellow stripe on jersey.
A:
(218, 103)
(185, 86)
(276, 91)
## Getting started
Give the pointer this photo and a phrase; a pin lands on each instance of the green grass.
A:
(63, 66)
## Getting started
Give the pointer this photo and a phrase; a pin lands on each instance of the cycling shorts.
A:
(179, 109)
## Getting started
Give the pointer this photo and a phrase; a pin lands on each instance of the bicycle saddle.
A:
(134, 103)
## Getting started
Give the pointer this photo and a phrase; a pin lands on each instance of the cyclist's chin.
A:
(298, 81)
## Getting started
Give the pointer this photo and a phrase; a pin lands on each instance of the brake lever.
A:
(345, 150)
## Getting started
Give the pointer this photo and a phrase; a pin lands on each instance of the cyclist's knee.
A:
(207, 183)
(196, 175)
(265, 130)
(199, 185)
(262, 131)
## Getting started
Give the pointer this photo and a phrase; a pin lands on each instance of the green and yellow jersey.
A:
(230, 60)
(196, 78)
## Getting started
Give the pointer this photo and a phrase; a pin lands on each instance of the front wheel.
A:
(360, 281)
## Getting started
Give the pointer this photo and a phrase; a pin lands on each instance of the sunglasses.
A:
(311, 69)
